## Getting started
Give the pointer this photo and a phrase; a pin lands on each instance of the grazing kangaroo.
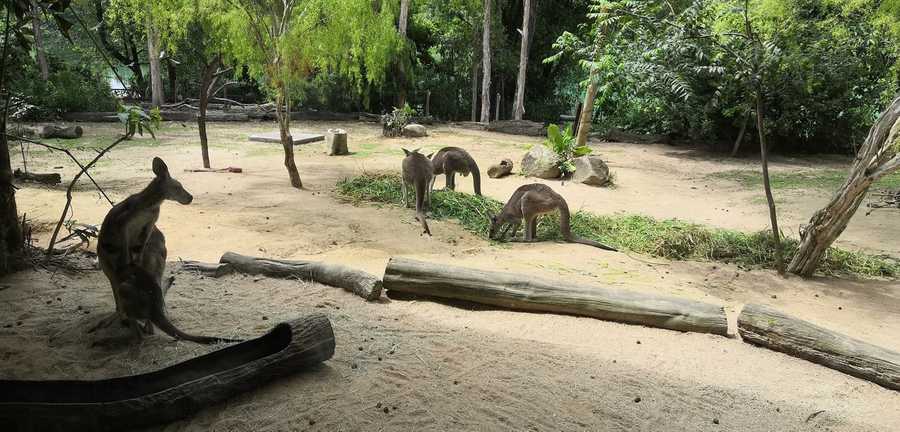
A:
(129, 234)
(419, 173)
(527, 203)
(452, 160)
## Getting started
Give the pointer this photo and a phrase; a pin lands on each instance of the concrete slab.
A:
(275, 137)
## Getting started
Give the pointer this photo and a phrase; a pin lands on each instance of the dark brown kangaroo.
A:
(418, 172)
(452, 160)
(527, 203)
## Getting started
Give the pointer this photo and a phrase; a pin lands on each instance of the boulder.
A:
(503, 169)
(591, 170)
(414, 130)
(541, 162)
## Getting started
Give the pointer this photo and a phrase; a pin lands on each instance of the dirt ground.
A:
(448, 367)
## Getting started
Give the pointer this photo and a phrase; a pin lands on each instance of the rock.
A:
(541, 162)
(414, 130)
(503, 169)
(591, 170)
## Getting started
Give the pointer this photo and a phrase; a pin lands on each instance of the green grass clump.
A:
(825, 179)
(671, 239)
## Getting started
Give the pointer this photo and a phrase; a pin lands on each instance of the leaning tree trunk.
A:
(156, 86)
(486, 64)
(587, 112)
(39, 51)
(207, 82)
(519, 107)
(284, 126)
(764, 161)
(878, 156)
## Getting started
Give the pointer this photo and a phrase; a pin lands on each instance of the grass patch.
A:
(671, 239)
(826, 179)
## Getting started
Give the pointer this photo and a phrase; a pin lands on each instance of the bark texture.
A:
(519, 107)
(486, 64)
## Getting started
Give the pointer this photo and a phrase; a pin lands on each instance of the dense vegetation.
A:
(671, 239)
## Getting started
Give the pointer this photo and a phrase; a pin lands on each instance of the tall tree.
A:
(403, 21)
(157, 92)
(402, 24)
(486, 64)
(527, 22)
(39, 51)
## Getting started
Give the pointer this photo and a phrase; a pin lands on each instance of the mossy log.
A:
(159, 397)
(525, 292)
(769, 328)
(358, 282)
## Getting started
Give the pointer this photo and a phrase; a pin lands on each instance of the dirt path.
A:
(516, 371)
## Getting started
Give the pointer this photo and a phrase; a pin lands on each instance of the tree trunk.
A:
(519, 106)
(156, 86)
(404, 17)
(740, 137)
(11, 241)
(877, 157)
(173, 79)
(402, 25)
(207, 82)
(486, 64)
(39, 41)
(764, 160)
(284, 127)
(587, 110)
(476, 66)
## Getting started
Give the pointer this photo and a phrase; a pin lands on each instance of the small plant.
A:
(136, 120)
(394, 122)
(563, 144)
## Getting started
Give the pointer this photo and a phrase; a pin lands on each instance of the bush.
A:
(394, 122)
(565, 147)
(65, 91)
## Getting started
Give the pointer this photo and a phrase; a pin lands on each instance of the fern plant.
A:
(564, 145)
(136, 120)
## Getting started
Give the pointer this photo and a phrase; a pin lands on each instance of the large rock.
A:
(541, 162)
(591, 170)
(414, 130)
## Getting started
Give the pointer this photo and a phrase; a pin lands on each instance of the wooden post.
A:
(427, 103)
(769, 328)
(524, 292)
(338, 138)
(497, 108)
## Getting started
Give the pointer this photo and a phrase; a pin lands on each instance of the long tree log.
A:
(50, 179)
(50, 131)
(769, 328)
(138, 401)
(524, 292)
(358, 282)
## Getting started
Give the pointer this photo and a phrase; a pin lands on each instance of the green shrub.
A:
(565, 147)
(394, 122)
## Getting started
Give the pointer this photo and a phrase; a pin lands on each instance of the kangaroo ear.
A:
(160, 168)
(407, 152)
(429, 155)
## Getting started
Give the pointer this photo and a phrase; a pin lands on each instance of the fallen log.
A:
(358, 282)
(138, 401)
(769, 328)
(50, 179)
(618, 135)
(95, 117)
(523, 292)
(50, 131)
(214, 270)
(232, 170)
(518, 127)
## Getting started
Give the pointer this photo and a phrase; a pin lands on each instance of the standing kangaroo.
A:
(418, 172)
(452, 160)
(527, 203)
(129, 235)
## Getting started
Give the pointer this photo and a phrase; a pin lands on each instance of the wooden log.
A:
(214, 270)
(525, 292)
(369, 117)
(227, 117)
(769, 328)
(95, 117)
(50, 179)
(618, 135)
(138, 401)
(518, 127)
(503, 169)
(338, 138)
(358, 282)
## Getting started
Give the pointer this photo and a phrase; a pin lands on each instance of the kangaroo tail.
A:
(476, 175)
(162, 321)
(565, 228)
(420, 205)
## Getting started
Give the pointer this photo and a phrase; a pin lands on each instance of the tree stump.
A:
(338, 139)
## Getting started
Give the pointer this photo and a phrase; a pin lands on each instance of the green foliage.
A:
(65, 91)
(136, 120)
(671, 239)
(565, 147)
(394, 122)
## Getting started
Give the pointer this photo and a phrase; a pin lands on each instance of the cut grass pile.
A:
(671, 239)
(825, 179)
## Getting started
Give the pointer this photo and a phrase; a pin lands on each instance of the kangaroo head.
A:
(171, 188)
(410, 152)
(496, 224)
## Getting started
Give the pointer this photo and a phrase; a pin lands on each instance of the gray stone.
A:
(541, 162)
(414, 130)
(591, 170)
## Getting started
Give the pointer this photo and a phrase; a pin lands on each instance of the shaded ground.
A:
(516, 371)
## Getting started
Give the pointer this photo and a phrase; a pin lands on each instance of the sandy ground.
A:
(513, 371)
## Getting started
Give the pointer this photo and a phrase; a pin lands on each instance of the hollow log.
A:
(358, 282)
(138, 401)
(50, 179)
(769, 328)
(207, 269)
(525, 292)
(503, 169)
(338, 138)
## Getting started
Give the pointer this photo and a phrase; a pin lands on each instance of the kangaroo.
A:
(142, 298)
(418, 171)
(452, 160)
(128, 229)
(527, 203)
